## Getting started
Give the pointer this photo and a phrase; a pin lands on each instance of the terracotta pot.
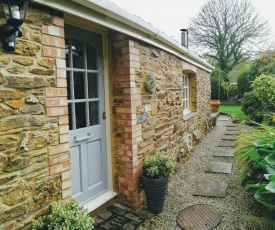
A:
(215, 104)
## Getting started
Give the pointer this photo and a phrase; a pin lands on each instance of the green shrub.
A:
(158, 165)
(69, 216)
(252, 106)
(263, 87)
(256, 155)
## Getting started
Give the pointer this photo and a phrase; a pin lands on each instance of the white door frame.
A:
(77, 22)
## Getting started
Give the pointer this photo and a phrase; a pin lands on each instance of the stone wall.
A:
(34, 149)
(148, 113)
(34, 132)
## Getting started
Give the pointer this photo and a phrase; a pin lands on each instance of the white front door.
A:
(85, 82)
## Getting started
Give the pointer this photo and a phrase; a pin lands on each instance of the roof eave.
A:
(111, 16)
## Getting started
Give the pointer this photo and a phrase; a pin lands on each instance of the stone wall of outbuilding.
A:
(34, 148)
(34, 133)
(147, 91)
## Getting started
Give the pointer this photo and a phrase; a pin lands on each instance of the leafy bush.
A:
(158, 165)
(252, 106)
(256, 155)
(263, 87)
(69, 216)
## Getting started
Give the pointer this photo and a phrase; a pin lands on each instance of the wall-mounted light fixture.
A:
(184, 37)
(14, 12)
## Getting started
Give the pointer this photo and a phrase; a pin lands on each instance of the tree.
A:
(217, 91)
(265, 64)
(243, 83)
(227, 32)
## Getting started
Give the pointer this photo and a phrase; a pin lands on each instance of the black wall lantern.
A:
(184, 37)
(14, 12)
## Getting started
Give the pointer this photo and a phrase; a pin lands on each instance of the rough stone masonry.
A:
(34, 149)
(146, 90)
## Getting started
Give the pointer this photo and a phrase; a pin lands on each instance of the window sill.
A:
(189, 115)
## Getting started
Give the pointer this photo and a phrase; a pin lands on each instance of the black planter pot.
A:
(155, 192)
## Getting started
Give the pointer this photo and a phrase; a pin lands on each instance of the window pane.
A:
(67, 51)
(79, 85)
(80, 115)
(78, 54)
(94, 113)
(185, 81)
(69, 93)
(91, 57)
(70, 116)
(92, 85)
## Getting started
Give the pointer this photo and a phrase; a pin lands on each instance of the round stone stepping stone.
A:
(199, 217)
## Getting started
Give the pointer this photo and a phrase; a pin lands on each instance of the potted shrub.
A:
(68, 216)
(156, 170)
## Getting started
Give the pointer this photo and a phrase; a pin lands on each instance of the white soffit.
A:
(111, 16)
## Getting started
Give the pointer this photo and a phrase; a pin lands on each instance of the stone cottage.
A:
(89, 90)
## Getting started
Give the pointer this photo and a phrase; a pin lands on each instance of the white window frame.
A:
(185, 95)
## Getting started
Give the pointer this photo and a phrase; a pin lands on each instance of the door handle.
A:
(89, 135)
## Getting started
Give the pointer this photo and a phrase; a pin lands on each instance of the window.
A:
(185, 98)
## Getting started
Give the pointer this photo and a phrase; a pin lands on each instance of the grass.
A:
(236, 110)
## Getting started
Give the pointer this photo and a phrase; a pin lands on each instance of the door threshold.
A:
(100, 200)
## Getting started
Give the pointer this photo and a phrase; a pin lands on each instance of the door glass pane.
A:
(79, 85)
(70, 116)
(91, 57)
(80, 115)
(78, 54)
(92, 85)
(69, 91)
(94, 113)
(67, 50)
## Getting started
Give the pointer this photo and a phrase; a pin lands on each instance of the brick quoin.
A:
(53, 46)
(125, 119)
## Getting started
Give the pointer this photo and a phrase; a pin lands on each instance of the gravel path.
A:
(233, 206)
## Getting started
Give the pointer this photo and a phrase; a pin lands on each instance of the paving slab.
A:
(232, 133)
(228, 124)
(228, 138)
(223, 153)
(227, 144)
(232, 129)
(223, 119)
(210, 188)
(219, 167)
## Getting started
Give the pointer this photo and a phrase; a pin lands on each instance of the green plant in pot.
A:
(156, 170)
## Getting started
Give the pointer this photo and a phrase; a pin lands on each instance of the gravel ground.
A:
(233, 206)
